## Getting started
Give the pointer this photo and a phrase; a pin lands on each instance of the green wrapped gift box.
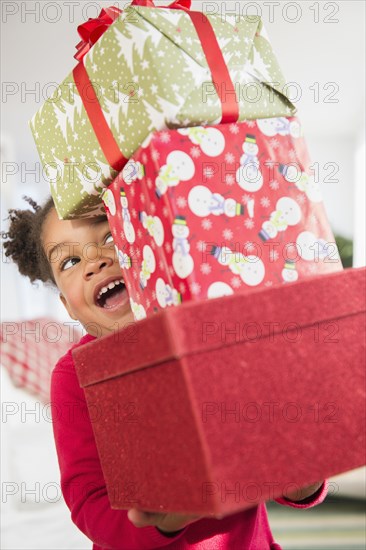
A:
(152, 68)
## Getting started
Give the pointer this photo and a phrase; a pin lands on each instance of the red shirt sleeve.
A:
(82, 480)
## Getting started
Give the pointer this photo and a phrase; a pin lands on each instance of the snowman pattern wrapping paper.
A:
(205, 212)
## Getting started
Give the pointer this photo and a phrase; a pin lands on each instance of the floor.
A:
(337, 524)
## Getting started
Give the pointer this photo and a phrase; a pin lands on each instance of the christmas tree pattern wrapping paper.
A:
(149, 71)
(205, 212)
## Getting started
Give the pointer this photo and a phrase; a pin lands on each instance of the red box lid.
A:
(195, 327)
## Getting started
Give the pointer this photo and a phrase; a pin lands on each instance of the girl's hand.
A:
(167, 523)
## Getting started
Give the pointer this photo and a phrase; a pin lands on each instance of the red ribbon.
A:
(215, 60)
(104, 134)
(92, 30)
(178, 4)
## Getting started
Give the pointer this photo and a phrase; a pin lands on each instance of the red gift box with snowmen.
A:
(205, 212)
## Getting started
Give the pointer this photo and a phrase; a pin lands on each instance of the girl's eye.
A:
(109, 238)
(69, 262)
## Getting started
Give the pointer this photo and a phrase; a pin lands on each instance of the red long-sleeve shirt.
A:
(85, 492)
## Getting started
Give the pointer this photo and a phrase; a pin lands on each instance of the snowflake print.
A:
(235, 282)
(139, 233)
(229, 158)
(182, 288)
(149, 183)
(265, 202)
(249, 223)
(292, 154)
(234, 129)
(132, 191)
(274, 143)
(153, 208)
(124, 260)
(195, 152)
(138, 253)
(229, 179)
(195, 288)
(227, 234)
(155, 155)
(205, 268)
(153, 244)
(274, 185)
(206, 224)
(153, 295)
(171, 271)
(300, 198)
(250, 123)
(134, 274)
(144, 158)
(168, 247)
(122, 235)
(246, 198)
(181, 202)
(142, 198)
(208, 172)
(268, 283)
(249, 246)
(148, 303)
(165, 212)
(201, 246)
(161, 265)
(134, 213)
(164, 137)
(273, 255)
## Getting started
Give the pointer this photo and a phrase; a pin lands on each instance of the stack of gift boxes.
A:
(186, 138)
(208, 208)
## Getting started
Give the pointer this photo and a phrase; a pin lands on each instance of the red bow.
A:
(92, 30)
(177, 4)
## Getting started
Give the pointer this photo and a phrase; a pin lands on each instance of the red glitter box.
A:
(225, 403)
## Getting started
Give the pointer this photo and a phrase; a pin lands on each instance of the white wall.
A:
(359, 203)
(339, 154)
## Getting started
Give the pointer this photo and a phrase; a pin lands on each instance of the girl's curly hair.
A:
(22, 242)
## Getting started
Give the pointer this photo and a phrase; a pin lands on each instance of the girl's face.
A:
(84, 264)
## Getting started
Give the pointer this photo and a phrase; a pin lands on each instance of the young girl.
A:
(78, 257)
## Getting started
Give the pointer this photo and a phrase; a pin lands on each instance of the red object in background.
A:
(215, 406)
(210, 211)
(30, 349)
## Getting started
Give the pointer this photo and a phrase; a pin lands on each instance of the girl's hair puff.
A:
(22, 242)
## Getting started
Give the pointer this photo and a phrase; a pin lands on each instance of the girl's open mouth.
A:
(113, 295)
